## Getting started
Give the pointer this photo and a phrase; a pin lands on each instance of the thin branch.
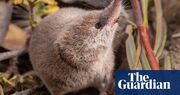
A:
(11, 54)
(177, 35)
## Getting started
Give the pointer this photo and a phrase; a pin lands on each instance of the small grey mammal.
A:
(72, 49)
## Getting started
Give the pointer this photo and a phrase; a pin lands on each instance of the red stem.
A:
(146, 41)
(144, 35)
(137, 10)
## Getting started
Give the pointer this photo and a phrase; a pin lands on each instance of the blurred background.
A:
(18, 18)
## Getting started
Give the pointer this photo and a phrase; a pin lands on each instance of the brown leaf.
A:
(15, 39)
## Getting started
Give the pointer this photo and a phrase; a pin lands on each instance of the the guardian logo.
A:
(138, 81)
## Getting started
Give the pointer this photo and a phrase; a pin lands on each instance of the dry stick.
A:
(144, 35)
(177, 35)
(11, 54)
(5, 16)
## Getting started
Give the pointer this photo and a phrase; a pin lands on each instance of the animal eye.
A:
(98, 25)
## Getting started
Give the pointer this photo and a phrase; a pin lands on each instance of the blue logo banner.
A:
(145, 82)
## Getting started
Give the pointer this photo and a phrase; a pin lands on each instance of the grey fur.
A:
(69, 53)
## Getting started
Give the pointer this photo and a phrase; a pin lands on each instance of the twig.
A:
(177, 35)
(11, 54)
(5, 16)
(32, 73)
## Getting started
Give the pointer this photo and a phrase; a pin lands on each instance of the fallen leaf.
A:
(15, 39)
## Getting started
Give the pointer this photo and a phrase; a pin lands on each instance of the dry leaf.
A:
(130, 47)
(15, 39)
